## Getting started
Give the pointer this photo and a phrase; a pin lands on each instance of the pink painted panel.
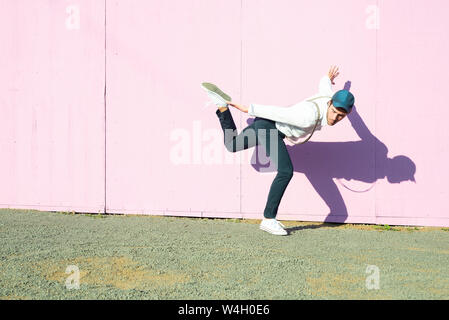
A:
(51, 103)
(413, 50)
(165, 150)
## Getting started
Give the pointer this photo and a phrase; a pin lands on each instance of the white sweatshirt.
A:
(298, 120)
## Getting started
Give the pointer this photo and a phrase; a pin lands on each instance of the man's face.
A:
(334, 115)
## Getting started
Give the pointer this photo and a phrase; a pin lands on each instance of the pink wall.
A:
(153, 144)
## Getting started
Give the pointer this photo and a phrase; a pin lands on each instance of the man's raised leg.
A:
(233, 141)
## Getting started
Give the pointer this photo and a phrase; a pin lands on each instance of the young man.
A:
(272, 124)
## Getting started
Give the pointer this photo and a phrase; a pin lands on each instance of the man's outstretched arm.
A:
(238, 106)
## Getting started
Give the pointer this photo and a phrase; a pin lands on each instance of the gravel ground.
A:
(151, 257)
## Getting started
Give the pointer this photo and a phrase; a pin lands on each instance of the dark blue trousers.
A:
(261, 132)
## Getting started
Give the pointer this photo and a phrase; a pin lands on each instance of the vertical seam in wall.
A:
(241, 81)
(104, 105)
(375, 107)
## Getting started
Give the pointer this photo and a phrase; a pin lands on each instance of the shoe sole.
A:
(217, 97)
(271, 231)
(213, 88)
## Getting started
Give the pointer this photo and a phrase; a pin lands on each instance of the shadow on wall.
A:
(365, 160)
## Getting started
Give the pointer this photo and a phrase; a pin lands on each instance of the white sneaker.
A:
(215, 94)
(273, 226)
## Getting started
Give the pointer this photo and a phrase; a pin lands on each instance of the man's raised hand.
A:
(333, 73)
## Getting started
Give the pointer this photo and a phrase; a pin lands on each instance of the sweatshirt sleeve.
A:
(325, 86)
(301, 115)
